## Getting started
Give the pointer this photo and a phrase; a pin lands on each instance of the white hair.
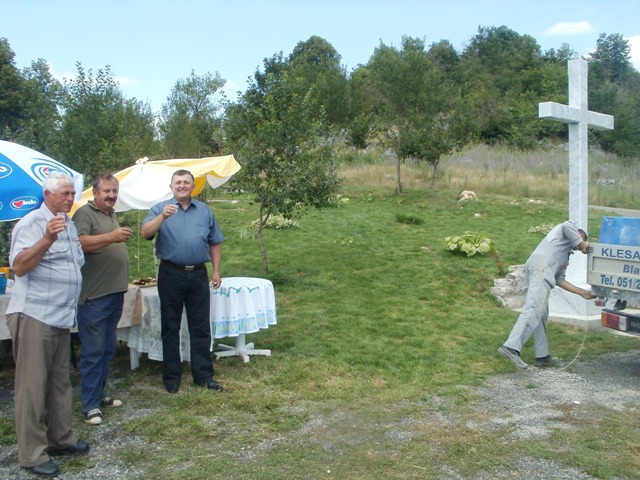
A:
(53, 181)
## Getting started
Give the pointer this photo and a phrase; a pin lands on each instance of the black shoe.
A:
(79, 448)
(110, 402)
(46, 469)
(548, 361)
(171, 388)
(211, 385)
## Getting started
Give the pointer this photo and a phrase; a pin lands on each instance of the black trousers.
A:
(178, 288)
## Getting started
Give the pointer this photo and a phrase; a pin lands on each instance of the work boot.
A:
(513, 356)
(548, 361)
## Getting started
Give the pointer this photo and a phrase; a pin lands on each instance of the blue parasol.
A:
(22, 171)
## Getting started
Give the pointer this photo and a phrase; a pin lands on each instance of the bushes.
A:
(470, 244)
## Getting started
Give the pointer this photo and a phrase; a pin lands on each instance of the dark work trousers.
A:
(178, 288)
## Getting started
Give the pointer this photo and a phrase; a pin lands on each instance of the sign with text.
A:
(614, 266)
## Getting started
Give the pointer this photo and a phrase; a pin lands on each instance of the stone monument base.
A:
(572, 309)
(564, 307)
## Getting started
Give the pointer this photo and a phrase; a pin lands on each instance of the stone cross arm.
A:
(568, 114)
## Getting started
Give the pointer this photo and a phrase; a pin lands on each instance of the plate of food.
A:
(145, 282)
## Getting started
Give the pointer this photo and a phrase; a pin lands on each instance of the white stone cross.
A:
(579, 118)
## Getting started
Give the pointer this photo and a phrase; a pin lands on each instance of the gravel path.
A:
(534, 399)
(530, 400)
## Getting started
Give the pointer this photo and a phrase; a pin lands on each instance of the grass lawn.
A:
(378, 325)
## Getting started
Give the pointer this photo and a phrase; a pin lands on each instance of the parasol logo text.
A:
(42, 169)
(24, 203)
(5, 170)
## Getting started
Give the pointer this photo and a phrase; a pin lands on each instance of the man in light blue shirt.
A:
(187, 235)
(46, 258)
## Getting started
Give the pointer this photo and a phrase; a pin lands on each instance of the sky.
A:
(151, 44)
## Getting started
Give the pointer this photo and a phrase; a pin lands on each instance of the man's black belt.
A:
(186, 268)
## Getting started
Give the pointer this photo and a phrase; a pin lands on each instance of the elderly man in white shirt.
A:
(46, 258)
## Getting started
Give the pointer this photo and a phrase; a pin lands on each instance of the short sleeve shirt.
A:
(556, 249)
(105, 271)
(184, 238)
(50, 291)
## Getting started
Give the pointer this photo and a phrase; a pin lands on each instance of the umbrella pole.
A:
(138, 242)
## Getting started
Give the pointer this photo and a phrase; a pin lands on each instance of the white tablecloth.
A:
(241, 305)
(131, 312)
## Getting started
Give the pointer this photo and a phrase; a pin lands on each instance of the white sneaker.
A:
(93, 417)
(111, 402)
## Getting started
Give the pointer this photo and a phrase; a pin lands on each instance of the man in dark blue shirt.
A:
(187, 235)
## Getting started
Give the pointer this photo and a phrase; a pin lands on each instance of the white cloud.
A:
(570, 28)
(61, 77)
(125, 82)
(231, 89)
(634, 50)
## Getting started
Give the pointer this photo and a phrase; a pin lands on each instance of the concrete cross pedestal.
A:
(579, 118)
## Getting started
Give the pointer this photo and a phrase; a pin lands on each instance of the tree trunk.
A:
(399, 185)
(433, 175)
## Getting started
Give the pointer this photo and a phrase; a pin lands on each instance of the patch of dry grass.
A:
(502, 171)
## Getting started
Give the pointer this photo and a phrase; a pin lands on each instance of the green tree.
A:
(280, 141)
(624, 140)
(561, 55)
(101, 130)
(362, 100)
(614, 88)
(501, 71)
(273, 68)
(446, 59)
(190, 122)
(316, 65)
(420, 109)
(29, 102)
(611, 60)
(42, 99)
(11, 93)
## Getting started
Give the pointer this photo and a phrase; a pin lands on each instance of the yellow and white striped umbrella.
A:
(147, 182)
